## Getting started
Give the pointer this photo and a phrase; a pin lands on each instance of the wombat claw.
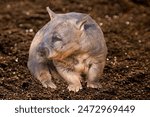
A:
(94, 85)
(48, 83)
(74, 88)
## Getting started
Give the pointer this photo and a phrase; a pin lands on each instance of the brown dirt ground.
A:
(126, 26)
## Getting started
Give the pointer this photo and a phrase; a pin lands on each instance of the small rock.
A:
(127, 22)
(115, 17)
(16, 59)
(101, 24)
(139, 41)
(8, 6)
(30, 30)
(27, 13)
(136, 33)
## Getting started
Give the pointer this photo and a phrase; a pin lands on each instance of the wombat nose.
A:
(43, 51)
(46, 51)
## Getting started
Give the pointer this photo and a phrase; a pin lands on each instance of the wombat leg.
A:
(94, 73)
(72, 78)
(45, 79)
(41, 72)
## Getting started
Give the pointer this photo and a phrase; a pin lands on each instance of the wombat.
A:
(75, 44)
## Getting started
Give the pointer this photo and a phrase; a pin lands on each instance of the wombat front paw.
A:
(93, 85)
(48, 83)
(74, 88)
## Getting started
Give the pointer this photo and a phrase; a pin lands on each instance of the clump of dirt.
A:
(126, 27)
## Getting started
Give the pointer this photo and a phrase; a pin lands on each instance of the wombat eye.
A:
(56, 38)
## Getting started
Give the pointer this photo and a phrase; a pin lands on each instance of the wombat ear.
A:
(50, 12)
(80, 24)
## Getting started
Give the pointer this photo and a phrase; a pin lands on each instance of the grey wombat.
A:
(75, 44)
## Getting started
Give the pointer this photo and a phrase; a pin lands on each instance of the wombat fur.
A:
(75, 44)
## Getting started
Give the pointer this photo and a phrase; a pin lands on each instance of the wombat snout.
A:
(43, 50)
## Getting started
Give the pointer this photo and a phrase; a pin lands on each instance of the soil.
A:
(126, 27)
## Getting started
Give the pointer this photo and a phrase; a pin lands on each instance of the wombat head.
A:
(61, 35)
